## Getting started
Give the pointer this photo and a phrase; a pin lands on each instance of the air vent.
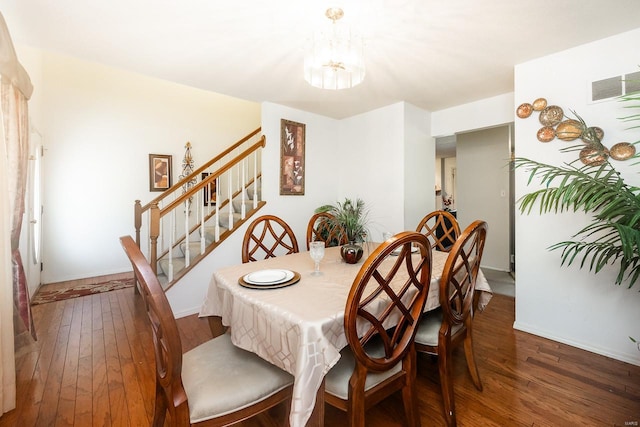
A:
(632, 82)
(613, 87)
(607, 88)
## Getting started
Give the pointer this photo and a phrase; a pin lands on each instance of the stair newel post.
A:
(154, 232)
(217, 214)
(230, 198)
(137, 224)
(137, 220)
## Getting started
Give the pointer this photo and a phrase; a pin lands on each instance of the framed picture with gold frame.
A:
(160, 172)
(292, 165)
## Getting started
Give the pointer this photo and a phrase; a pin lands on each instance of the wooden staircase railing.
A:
(214, 197)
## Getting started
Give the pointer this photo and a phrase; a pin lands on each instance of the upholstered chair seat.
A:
(337, 379)
(220, 378)
(429, 329)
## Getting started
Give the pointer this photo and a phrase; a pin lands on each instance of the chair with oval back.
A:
(380, 358)
(441, 228)
(216, 382)
(440, 330)
(320, 228)
(268, 236)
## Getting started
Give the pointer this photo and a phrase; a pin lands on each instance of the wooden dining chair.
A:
(443, 329)
(320, 228)
(216, 382)
(441, 228)
(381, 316)
(268, 236)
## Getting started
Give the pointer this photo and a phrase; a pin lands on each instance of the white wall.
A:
(567, 304)
(390, 153)
(419, 157)
(372, 155)
(476, 115)
(99, 125)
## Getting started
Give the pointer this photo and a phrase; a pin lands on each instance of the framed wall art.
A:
(292, 140)
(159, 172)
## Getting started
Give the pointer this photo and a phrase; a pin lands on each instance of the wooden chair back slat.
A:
(441, 228)
(268, 236)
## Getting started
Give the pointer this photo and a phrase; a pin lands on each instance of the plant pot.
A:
(351, 252)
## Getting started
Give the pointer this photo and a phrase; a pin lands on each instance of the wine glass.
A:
(316, 251)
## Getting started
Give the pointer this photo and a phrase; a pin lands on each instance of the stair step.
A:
(237, 205)
(194, 248)
(178, 264)
(250, 191)
(210, 233)
(224, 218)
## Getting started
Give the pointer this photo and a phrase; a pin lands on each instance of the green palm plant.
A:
(613, 235)
(614, 232)
(350, 218)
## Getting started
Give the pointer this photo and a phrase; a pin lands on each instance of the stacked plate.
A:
(269, 279)
(398, 250)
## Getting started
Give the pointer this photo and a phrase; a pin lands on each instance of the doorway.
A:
(484, 187)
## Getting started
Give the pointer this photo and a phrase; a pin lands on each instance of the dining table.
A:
(299, 326)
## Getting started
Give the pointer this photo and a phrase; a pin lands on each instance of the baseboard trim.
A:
(186, 312)
(623, 357)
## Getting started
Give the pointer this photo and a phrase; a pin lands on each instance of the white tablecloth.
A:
(299, 328)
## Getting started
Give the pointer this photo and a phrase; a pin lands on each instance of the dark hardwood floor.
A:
(93, 365)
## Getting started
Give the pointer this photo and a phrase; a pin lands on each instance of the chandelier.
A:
(335, 56)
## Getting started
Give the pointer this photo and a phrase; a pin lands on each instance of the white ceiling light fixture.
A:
(335, 56)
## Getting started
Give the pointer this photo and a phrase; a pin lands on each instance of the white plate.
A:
(397, 251)
(268, 277)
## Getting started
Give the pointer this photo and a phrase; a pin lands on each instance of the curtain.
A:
(15, 90)
(15, 123)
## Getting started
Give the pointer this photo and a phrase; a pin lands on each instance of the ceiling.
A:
(434, 54)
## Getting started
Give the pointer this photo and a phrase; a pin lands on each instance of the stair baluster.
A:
(217, 217)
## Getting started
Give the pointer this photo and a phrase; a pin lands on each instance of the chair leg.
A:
(446, 384)
(471, 360)
(409, 396)
(159, 408)
(287, 412)
(355, 404)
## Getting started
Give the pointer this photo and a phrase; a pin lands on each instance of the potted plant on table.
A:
(350, 221)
